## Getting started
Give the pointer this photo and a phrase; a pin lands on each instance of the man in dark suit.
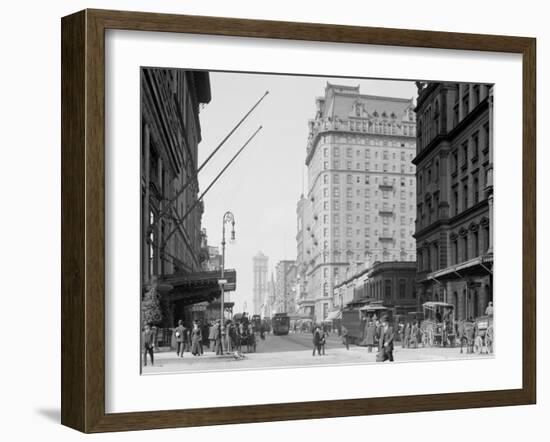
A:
(386, 340)
(148, 344)
(317, 336)
(180, 333)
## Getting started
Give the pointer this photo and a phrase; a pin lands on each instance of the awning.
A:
(334, 315)
(479, 266)
(197, 287)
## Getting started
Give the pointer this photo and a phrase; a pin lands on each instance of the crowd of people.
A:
(228, 338)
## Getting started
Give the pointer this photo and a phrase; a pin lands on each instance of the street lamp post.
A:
(228, 217)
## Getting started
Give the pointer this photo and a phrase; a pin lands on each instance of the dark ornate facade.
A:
(454, 171)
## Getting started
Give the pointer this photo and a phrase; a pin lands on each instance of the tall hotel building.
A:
(454, 165)
(259, 289)
(361, 199)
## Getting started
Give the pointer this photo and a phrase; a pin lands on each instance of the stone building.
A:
(174, 249)
(454, 166)
(259, 288)
(392, 282)
(285, 283)
(360, 201)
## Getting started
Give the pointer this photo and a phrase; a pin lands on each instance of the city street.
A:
(293, 350)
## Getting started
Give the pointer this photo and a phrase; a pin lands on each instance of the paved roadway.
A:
(294, 342)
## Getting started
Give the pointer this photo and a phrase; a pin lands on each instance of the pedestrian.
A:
(407, 335)
(401, 332)
(413, 340)
(228, 339)
(205, 332)
(196, 337)
(218, 338)
(323, 340)
(148, 344)
(378, 325)
(179, 335)
(370, 335)
(345, 339)
(317, 340)
(489, 309)
(386, 341)
(212, 336)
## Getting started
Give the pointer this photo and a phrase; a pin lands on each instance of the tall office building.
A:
(259, 289)
(455, 195)
(360, 201)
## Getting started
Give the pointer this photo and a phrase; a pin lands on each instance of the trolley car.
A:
(280, 324)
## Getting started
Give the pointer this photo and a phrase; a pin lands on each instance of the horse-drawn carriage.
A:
(477, 335)
(438, 324)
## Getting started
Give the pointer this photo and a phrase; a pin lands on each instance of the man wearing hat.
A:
(386, 340)
(180, 334)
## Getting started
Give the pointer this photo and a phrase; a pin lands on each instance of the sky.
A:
(263, 185)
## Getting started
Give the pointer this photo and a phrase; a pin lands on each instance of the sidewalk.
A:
(170, 363)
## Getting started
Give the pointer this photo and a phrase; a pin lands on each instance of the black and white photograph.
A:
(296, 221)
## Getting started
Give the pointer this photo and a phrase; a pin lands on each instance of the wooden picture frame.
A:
(83, 220)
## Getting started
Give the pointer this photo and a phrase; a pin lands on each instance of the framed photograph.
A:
(267, 221)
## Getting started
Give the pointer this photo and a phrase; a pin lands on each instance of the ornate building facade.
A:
(176, 265)
(361, 198)
(454, 166)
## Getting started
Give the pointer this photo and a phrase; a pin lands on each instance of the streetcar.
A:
(358, 313)
(280, 323)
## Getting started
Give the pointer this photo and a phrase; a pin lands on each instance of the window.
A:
(349, 193)
(348, 165)
(336, 218)
(325, 179)
(336, 192)
(476, 189)
(336, 164)
(385, 155)
(476, 243)
(465, 197)
(325, 152)
(336, 205)
(475, 146)
(325, 192)
(455, 161)
(336, 151)
(387, 287)
(465, 154)
(348, 219)
(402, 289)
(465, 105)
(348, 152)
(325, 219)
(455, 201)
(325, 165)
(325, 205)
(349, 205)
(465, 247)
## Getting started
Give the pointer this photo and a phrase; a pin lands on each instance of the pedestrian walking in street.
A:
(179, 335)
(385, 352)
(148, 339)
(345, 338)
(370, 335)
(317, 340)
(196, 337)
